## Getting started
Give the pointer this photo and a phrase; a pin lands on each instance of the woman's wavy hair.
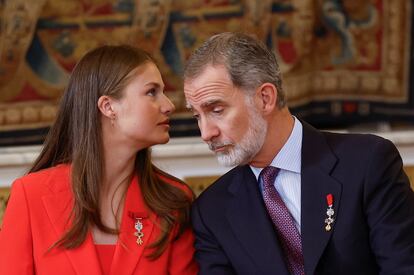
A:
(76, 139)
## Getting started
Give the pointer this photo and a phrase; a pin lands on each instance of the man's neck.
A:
(279, 128)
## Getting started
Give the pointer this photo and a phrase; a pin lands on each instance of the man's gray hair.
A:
(248, 61)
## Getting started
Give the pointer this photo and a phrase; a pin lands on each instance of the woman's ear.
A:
(105, 106)
(267, 94)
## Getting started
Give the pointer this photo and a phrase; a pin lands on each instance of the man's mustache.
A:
(214, 145)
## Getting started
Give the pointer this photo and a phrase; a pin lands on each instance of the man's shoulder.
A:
(356, 143)
(353, 137)
(359, 151)
(218, 191)
(340, 141)
(345, 149)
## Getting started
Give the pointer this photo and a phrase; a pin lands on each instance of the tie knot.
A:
(268, 175)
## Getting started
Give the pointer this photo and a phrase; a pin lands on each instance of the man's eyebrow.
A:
(204, 105)
(210, 103)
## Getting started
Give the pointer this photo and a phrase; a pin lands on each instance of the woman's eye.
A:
(151, 92)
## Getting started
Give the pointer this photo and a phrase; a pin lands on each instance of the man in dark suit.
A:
(299, 201)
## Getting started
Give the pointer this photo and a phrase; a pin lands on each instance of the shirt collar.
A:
(290, 156)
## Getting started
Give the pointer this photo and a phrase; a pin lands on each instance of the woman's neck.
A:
(117, 171)
(119, 161)
(117, 175)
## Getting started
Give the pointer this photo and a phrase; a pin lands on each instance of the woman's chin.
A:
(165, 139)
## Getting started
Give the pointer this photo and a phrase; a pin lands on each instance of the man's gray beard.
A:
(244, 151)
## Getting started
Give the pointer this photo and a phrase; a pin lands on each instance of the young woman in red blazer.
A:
(93, 202)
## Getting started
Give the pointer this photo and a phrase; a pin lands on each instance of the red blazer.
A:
(37, 216)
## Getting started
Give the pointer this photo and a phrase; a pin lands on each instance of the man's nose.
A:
(208, 130)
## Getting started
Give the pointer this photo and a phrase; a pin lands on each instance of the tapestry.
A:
(343, 61)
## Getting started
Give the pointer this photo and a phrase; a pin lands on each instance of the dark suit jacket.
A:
(373, 232)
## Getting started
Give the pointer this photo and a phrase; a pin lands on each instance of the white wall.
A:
(182, 157)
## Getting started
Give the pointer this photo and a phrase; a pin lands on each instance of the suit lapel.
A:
(127, 251)
(251, 225)
(317, 163)
(58, 206)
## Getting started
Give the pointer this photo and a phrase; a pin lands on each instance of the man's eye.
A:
(196, 116)
(217, 110)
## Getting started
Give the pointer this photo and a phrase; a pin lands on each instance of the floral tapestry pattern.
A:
(342, 60)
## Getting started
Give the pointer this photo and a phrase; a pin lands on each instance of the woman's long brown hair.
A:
(76, 139)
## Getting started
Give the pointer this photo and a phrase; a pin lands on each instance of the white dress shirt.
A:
(287, 182)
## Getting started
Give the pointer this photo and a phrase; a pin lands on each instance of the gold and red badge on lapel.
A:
(329, 212)
(138, 225)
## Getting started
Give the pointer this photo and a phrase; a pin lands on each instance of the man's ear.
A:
(267, 95)
(105, 106)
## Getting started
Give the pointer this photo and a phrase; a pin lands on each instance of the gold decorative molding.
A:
(199, 183)
(410, 173)
(27, 115)
(4, 196)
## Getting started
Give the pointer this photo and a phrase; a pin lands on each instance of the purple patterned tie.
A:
(287, 232)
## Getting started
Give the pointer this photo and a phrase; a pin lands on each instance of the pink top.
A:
(105, 255)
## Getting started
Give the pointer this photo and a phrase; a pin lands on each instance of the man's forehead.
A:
(213, 84)
(208, 74)
(214, 92)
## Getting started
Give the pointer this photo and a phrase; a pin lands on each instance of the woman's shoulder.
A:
(53, 178)
(176, 182)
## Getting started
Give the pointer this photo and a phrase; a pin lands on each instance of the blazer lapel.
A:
(251, 225)
(128, 252)
(317, 163)
(58, 206)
